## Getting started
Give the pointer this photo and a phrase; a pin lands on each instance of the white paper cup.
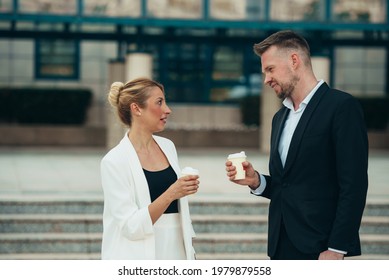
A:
(237, 160)
(189, 171)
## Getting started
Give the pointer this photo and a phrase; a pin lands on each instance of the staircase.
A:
(50, 229)
(238, 230)
(71, 229)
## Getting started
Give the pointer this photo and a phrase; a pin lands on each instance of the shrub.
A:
(250, 110)
(44, 105)
(376, 112)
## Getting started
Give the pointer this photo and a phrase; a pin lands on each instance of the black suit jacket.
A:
(321, 192)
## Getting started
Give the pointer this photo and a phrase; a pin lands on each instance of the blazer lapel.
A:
(275, 142)
(169, 156)
(299, 132)
(183, 204)
(142, 190)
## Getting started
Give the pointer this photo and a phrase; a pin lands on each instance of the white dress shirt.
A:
(292, 122)
(287, 133)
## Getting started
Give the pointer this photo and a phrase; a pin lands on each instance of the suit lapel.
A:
(140, 183)
(183, 204)
(278, 132)
(300, 129)
(168, 155)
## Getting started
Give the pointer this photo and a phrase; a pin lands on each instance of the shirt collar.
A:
(289, 104)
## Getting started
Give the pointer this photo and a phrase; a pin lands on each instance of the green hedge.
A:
(44, 105)
(250, 106)
(376, 111)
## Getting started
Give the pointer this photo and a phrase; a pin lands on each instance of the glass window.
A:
(219, 94)
(228, 64)
(237, 10)
(185, 9)
(182, 71)
(57, 59)
(64, 7)
(5, 6)
(373, 11)
(360, 71)
(297, 10)
(112, 8)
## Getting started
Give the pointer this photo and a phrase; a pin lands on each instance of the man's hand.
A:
(252, 179)
(330, 255)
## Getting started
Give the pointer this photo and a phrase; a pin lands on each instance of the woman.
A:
(146, 211)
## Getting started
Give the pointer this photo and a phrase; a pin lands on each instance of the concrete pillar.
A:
(321, 67)
(136, 65)
(139, 65)
(270, 104)
(115, 128)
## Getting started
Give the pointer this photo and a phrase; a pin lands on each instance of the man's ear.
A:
(295, 58)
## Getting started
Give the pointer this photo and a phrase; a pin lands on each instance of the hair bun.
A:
(114, 93)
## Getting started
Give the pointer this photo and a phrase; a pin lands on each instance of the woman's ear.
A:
(135, 109)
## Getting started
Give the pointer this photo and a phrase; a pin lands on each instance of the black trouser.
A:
(287, 251)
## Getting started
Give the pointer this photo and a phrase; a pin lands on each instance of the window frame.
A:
(39, 56)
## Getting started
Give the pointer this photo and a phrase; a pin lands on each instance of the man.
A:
(318, 160)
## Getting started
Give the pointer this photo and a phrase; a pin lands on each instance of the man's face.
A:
(279, 75)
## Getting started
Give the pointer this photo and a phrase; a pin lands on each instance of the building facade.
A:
(201, 49)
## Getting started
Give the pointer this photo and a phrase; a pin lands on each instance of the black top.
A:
(159, 182)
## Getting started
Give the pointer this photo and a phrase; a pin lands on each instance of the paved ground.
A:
(74, 172)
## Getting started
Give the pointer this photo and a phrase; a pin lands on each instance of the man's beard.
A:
(287, 88)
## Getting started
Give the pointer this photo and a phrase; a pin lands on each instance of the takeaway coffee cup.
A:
(237, 160)
(189, 171)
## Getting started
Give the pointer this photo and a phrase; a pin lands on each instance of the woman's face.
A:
(156, 111)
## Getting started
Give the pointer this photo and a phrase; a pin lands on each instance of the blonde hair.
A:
(285, 40)
(121, 96)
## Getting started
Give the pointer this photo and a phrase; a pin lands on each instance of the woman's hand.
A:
(184, 186)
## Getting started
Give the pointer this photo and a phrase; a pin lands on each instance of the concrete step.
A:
(27, 243)
(229, 223)
(71, 229)
(375, 225)
(259, 256)
(87, 246)
(377, 207)
(50, 223)
(234, 256)
(215, 243)
(51, 256)
(81, 205)
(51, 205)
(201, 256)
(198, 205)
(375, 244)
(63, 223)
(223, 207)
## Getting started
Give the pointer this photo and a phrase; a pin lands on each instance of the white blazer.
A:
(128, 230)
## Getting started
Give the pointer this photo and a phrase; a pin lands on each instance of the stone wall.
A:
(63, 136)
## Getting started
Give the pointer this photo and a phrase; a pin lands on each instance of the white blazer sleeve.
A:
(121, 210)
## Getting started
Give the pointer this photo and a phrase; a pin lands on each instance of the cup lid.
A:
(237, 155)
(190, 170)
